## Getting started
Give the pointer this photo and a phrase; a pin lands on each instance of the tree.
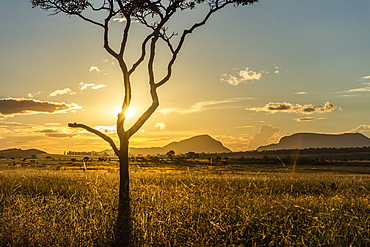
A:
(170, 154)
(155, 15)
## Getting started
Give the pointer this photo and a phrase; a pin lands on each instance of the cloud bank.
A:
(21, 106)
(297, 108)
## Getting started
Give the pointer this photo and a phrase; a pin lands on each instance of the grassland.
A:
(197, 205)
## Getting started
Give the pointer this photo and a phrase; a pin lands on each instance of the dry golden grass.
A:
(185, 207)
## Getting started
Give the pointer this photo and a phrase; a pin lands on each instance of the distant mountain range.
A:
(206, 144)
(312, 140)
(19, 153)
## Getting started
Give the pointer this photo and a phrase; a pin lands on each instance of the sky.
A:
(250, 76)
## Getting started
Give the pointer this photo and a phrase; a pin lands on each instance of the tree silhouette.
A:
(155, 15)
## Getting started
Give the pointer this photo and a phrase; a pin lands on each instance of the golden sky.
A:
(250, 76)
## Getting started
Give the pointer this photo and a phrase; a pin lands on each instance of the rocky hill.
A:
(312, 140)
(197, 144)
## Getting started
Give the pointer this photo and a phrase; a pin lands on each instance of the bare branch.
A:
(98, 133)
(185, 33)
(145, 116)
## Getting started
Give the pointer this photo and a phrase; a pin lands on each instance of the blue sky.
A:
(250, 76)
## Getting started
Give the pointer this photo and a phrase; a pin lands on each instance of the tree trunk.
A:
(123, 224)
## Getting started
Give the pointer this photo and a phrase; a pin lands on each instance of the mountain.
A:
(19, 153)
(312, 140)
(197, 144)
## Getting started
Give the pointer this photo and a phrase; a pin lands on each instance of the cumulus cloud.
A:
(262, 137)
(277, 70)
(241, 76)
(308, 119)
(84, 86)
(366, 77)
(297, 108)
(161, 125)
(21, 106)
(62, 92)
(198, 107)
(301, 93)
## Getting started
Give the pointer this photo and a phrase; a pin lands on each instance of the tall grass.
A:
(185, 208)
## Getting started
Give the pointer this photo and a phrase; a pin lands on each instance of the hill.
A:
(19, 153)
(197, 144)
(312, 140)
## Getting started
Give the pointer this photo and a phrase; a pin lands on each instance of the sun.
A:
(130, 112)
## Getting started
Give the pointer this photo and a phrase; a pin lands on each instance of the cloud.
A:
(84, 86)
(362, 128)
(366, 77)
(161, 125)
(199, 106)
(123, 19)
(308, 119)
(106, 129)
(277, 71)
(21, 106)
(94, 68)
(31, 95)
(364, 89)
(56, 133)
(297, 108)
(62, 91)
(262, 137)
(242, 76)
(301, 93)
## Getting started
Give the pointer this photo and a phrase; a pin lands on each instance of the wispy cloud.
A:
(241, 76)
(161, 125)
(62, 92)
(364, 89)
(296, 108)
(84, 86)
(21, 106)
(198, 107)
(366, 77)
(308, 119)
(301, 93)
(56, 133)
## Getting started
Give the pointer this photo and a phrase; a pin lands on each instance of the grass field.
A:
(187, 206)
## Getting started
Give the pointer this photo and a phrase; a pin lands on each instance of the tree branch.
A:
(98, 133)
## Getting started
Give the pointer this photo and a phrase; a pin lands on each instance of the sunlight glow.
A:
(130, 112)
